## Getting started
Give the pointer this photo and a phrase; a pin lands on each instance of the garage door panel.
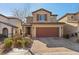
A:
(47, 32)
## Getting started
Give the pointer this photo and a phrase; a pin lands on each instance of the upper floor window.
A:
(42, 17)
(72, 17)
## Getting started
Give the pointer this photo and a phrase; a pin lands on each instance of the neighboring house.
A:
(71, 26)
(43, 23)
(9, 26)
(17, 22)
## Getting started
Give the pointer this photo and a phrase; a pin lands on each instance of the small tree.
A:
(22, 13)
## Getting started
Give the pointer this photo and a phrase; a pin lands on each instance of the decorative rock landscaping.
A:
(16, 51)
(16, 45)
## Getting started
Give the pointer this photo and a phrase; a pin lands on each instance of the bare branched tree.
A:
(22, 13)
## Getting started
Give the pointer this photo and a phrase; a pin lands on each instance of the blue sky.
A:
(56, 8)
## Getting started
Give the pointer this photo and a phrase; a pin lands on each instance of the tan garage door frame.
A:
(34, 26)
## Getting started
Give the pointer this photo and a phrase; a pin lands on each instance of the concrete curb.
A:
(31, 52)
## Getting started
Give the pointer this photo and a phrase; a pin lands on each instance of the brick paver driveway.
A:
(55, 46)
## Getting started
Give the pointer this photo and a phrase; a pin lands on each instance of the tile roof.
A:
(10, 17)
(8, 24)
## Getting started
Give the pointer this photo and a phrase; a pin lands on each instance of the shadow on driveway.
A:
(60, 42)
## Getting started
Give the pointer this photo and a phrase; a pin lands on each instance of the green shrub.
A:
(19, 43)
(8, 42)
(27, 42)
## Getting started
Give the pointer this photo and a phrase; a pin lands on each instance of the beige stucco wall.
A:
(9, 29)
(49, 17)
(69, 27)
(77, 14)
(12, 21)
(34, 26)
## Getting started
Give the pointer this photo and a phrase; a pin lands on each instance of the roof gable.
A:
(42, 10)
(68, 14)
(3, 16)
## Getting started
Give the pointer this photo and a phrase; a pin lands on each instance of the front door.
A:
(28, 31)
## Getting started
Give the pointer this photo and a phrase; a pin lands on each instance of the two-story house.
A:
(71, 26)
(43, 23)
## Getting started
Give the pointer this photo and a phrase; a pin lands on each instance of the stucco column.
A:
(33, 31)
(24, 31)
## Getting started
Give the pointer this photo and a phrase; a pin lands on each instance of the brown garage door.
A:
(47, 32)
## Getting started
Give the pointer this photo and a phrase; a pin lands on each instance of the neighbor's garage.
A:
(47, 32)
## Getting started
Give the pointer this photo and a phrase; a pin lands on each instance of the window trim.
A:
(41, 14)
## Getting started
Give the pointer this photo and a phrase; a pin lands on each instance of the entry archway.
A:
(5, 32)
